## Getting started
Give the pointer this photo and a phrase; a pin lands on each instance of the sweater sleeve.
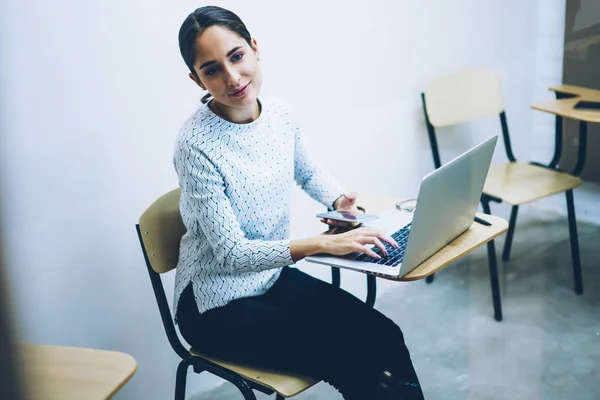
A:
(315, 181)
(212, 214)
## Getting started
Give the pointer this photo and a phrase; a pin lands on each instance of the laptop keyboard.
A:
(395, 256)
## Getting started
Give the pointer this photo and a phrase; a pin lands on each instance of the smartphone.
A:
(348, 216)
(587, 105)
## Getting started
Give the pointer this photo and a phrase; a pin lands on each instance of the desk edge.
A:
(407, 278)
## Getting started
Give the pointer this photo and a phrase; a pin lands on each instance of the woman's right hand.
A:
(357, 240)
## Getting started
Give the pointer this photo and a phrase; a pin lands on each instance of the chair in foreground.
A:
(468, 95)
(160, 230)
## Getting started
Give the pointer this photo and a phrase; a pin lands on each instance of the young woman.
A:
(236, 298)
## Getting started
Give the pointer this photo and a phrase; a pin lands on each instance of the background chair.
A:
(160, 230)
(467, 95)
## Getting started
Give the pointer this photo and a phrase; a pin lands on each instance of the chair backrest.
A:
(463, 96)
(160, 230)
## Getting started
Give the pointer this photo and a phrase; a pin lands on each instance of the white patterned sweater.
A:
(236, 188)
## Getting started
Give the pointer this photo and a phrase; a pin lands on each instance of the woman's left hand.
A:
(346, 202)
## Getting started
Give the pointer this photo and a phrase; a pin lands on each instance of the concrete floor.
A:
(547, 347)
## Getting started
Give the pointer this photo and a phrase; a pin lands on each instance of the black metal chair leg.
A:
(574, 243)
(181, 380)
(493, 267)
(510, 233)
(279, 397)
(582, 150)
(245, 388)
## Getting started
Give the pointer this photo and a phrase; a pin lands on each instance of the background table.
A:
(566, 97)
(73, 373)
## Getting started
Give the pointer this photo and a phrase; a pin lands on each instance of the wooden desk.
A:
(572, 90)
(476, 236)
(72, 373)
(562, 107)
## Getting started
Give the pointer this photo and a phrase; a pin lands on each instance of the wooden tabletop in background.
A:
(73, 373)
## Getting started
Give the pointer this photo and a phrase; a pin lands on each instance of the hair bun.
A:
(206, 98)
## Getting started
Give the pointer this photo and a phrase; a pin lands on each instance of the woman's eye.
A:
(211, 71)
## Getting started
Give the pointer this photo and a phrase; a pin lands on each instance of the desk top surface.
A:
(583, 92)
(476, 236)
(564, 108)
(65, 373)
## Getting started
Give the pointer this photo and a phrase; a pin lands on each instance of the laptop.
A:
(446, 207)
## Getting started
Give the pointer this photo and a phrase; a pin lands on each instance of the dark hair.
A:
(197, 22)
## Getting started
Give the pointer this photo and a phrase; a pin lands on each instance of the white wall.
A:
(93, 94)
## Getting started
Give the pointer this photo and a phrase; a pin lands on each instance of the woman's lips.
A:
(241, 92)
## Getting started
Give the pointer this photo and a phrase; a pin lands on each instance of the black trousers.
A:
(306, 326)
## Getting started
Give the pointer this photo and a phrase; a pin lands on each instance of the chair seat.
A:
(284, 384)
(519, 183)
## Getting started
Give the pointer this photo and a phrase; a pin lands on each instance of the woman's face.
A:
(228, 67)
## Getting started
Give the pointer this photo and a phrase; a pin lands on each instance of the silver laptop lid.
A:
(447, 203)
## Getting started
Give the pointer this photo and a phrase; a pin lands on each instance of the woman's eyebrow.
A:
(206, 64)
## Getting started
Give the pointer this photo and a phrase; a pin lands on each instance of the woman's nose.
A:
(232, 77)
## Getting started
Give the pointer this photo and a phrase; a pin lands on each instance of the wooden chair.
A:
(160, 230)
(467, 95)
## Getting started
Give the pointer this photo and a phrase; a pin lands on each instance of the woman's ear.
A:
(197, 81)
(255, 48)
